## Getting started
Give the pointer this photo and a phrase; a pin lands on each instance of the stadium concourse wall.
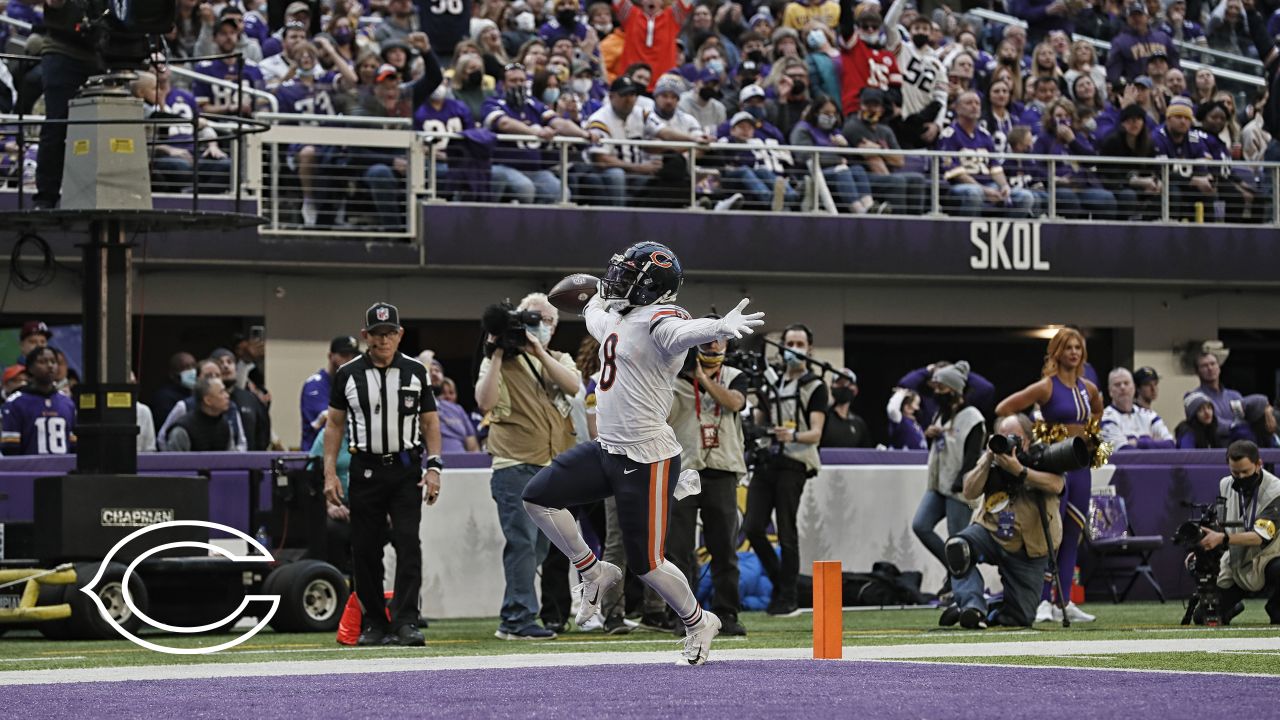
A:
(857, 510)
(1166, 284)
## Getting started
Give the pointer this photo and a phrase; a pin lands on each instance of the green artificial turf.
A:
(27, 650)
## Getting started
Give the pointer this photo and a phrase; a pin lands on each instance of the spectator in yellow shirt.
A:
(798, 14)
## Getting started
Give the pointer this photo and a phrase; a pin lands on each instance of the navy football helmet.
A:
(643, 274)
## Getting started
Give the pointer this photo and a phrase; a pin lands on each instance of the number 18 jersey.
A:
(38, 424)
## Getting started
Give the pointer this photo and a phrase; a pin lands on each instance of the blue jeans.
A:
(756, 186)
(526, 186)
(524, 551)
(1080, 203)
(1021, 576)
(843, 184)
(387, 189)
(969, 199)
(933, 507)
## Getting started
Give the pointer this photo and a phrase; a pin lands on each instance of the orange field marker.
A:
(828, 612)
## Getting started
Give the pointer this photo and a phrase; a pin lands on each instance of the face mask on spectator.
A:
(756, 111)
(870, 38)
(870, 116)
(524, 22)
(304, 72)
(920, 40)
(1091, 125)
(798, 87)
(816, 39)
(842, 395)
(542, 331)
(603, 28)
(826, 121)
(550, 95)
(439, 93)
(756, 56)
(188, 378)
(792, 358)
(473, 79)
(516, 96)
(342, 36)
(716, 66)
(567, 18)
(709, 92)
(582, 86)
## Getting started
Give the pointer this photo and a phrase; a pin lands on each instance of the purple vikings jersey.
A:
(223, 70)
(1192, 147)
(452, 117)
(36, 424)
(296, 97)
(524, 155)
(970, 153)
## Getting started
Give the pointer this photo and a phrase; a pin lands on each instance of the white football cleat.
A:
(593, 592)
(1045, 612)
(1076, 615)
(697, 640)
(689, 483)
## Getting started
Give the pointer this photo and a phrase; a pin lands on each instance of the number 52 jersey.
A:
(37, 424)
(641, 353)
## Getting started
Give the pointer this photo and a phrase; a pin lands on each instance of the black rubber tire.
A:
(312, 594)
(86, 622)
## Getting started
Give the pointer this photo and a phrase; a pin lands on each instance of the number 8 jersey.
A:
(38, 424)
(641, 352)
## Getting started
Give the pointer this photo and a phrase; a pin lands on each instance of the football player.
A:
(643, 341)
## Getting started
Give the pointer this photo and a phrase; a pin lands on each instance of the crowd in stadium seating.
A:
(741, 79)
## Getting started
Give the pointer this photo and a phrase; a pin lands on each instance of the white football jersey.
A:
(921, 70)
(641, 353)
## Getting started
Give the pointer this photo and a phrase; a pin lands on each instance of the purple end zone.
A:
(720, 690)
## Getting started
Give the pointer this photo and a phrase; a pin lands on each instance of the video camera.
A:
(508, 326)
(1205, 605)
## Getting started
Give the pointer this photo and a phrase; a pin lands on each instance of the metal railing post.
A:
(1164, 192)
(431, 172)
(564, 172)
(1053, 189)
(1275, 195)
(935, 192)
(275, 187)
(693, 179)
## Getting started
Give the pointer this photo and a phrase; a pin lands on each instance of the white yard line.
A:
(472, 662)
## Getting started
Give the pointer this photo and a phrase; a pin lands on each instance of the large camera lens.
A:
(1001, 444)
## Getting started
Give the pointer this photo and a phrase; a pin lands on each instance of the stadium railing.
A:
(1251, 69)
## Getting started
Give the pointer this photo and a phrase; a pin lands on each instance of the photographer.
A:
(526, 389)
(955, 438)
(705, 416)
(1008, 533)
(796, 414)
(1252, 562)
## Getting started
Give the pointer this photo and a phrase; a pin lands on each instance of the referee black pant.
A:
(378, 491)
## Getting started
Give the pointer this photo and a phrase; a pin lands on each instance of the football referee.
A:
(385, 400)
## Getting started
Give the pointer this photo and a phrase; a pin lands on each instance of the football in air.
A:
(572, 293)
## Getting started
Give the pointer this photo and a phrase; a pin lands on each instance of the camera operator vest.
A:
(1028, 531)
(1246, 566)
(530, 424)
(721, 446)
(946, 454)
(795, 399)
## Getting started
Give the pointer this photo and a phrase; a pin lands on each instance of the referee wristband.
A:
(435, 463)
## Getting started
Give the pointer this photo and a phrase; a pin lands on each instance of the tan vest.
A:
(1028, 532)
(793, 410)
(685, 421)
(1247, 566)
(527, 426)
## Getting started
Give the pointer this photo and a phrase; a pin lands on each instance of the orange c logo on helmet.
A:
(660, 259)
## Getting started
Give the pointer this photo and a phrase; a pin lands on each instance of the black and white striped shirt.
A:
(383, 404)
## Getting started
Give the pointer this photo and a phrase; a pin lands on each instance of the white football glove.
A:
(736, 324)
